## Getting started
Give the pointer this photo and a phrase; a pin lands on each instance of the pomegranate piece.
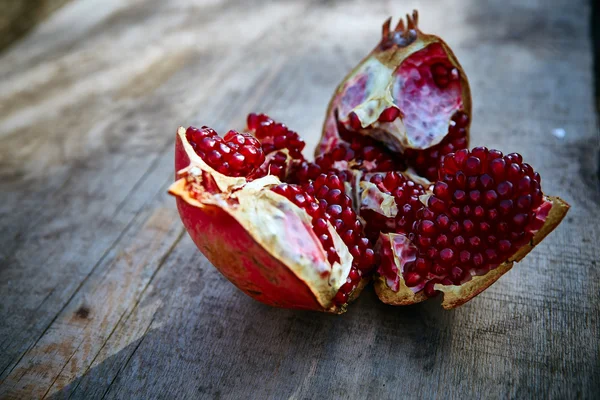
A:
(237, 154)
(410, 93)
(325, 201)
(486, 211)
(287, 245)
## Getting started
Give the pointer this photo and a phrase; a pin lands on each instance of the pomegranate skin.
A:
(182, 160)
(229, 247)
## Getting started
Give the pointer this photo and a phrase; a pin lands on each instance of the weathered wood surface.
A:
(104, 295)
(19, 17)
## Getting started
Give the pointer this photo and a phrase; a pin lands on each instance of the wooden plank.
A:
(79, 331)
(17, 18)
(111, 170)
(192, 334)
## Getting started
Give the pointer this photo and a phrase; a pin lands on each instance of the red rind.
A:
(229, 247)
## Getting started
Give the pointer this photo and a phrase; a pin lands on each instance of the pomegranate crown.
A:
(402, 35)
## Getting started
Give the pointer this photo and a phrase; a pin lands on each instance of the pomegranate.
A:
(393, 194)
(287, 245)
(459, 236)
(410, 93)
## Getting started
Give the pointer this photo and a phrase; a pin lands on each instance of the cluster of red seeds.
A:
(361, 153)
(329, 190)
(476, 218)
(237, 154)
(275, 136)
(324, 200)
(443, 74)
(406, 195)
(277, 165)
(426, 162)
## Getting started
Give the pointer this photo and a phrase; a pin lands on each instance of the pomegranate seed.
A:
(459, 196)
(447, 255)
(340, 298)
(465, 256)
(355, 121)
(459, 241)
(456, 273)
(429, 289)
(472, 166)
(389, 114)
(412, 279)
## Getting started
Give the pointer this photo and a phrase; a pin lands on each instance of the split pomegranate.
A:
(393, 194)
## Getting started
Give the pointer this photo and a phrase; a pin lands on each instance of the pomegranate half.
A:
(459, 235)
(286, 245)
(410, 93)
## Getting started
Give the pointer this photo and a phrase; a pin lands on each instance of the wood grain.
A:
(19, 17)
(104, 296)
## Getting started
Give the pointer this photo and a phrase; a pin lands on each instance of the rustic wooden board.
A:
(18, 17)
(104, 295)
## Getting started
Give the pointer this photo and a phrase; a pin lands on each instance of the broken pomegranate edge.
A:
(363, 101)
(246, 232)
(454, 296)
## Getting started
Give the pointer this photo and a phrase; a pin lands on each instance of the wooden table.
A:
(103, 294)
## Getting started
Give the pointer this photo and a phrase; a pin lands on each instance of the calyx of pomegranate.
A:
(393, 194)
